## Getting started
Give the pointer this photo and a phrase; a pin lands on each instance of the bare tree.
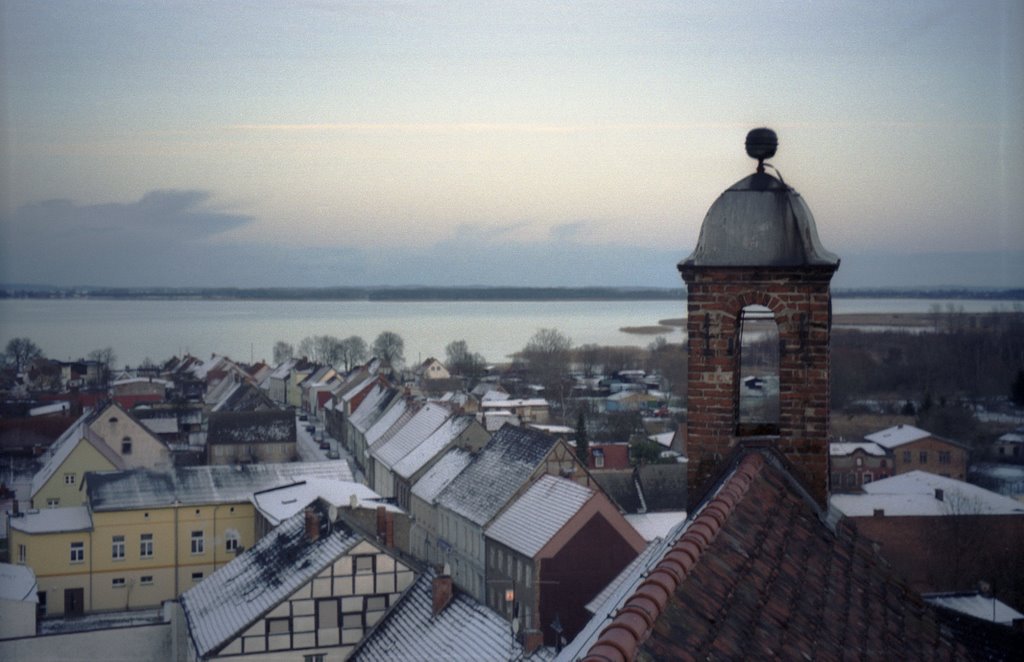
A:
(352, 351)
(463, 362)
(20, 352)
(547, 353)
(282, 352)
(106, 358)
(390, 348)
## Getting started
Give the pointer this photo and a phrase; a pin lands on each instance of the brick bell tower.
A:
(759, 258)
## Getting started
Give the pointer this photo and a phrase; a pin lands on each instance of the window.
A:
(112, 419)
(923, 457)
(279, 625)
(376, 602)
(198, 543)
(598, 458)
(860, 461)
(69, 479)
(866, 478)
(41, 609)
(126, 446)
(906, 457)
(315, 657)
(146, 580)
(146, 545)
(77, 552)
(117, 548)
(196, 576)
(53, 503)
(231, 540)
(117, 582)
(944, 457)
(326, 614)
(22, 554)
(363, 564)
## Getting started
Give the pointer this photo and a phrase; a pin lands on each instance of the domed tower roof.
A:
(759, 222)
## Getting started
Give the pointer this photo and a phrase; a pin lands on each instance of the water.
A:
(68, 329)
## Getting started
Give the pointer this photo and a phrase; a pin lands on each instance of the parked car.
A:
(303, 417)
(325, 445)
(311, 429)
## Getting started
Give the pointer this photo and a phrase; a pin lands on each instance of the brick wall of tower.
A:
(799, 298)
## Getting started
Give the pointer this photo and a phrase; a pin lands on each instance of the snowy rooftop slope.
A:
(279, 503)
(897, 436)
(221, 606)
(53, 520)
(416, 430)
(914, 493)
(431, 446)
(541, 512)
(372, 407)
(144, 488)
(976, 605)
(464, 630)
(389, 424)
(652, 526)
(161, 425)
(498, 471)
(441, 474)
(840, 448)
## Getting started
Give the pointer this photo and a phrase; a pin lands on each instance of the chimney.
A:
(442, 591)
(532, 640)
(382, 523)
(312, 524)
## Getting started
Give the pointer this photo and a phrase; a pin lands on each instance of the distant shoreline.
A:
(452, 294)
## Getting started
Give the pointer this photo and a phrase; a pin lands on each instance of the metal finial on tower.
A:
(761, 145)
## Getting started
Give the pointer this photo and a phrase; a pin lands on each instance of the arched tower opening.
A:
(758, 271)
(757, 389)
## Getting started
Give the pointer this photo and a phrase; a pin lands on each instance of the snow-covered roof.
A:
(431, 446)
(916, 494)
(551, 429)
(53, 520)
(79, 432)
(355, 390)
(415, 431)
(663, 438)
(441, 474)
(141, 380)
(497, 471)
(373, 406)
(976, 605)
(536, 516)
(379, 429)
(1012, 438)
(282, 371)
(841, 448)
(897, 436)
(505, 404)
(18, 583)
(161, 425)
(652, 526)
(279, 503)
(145, 488)
(492, 395)
(464, 630)
(223, 605)
(52, 408)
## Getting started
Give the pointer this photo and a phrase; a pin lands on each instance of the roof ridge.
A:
(635, 620)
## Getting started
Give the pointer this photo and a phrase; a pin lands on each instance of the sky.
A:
(499, 143)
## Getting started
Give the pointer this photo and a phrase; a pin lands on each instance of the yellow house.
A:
(146, 536)
(77, 451)
(105, 439)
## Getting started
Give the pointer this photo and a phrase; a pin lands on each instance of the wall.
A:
(801, 304)
(953, 553)
(149, 642)
(83, 458)
(955, 468)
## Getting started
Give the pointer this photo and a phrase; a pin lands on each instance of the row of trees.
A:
(347, 353)
(20, 353)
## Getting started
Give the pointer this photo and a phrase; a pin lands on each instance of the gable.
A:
(84, 457)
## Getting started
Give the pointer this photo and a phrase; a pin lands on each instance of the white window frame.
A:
(69, 479)
(77, 552)
(198, 542)
(145, 546)
(117, 548)
(231, 540)
(22, 554)
(118, 582)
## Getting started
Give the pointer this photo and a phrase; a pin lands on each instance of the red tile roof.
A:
(758, 574)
